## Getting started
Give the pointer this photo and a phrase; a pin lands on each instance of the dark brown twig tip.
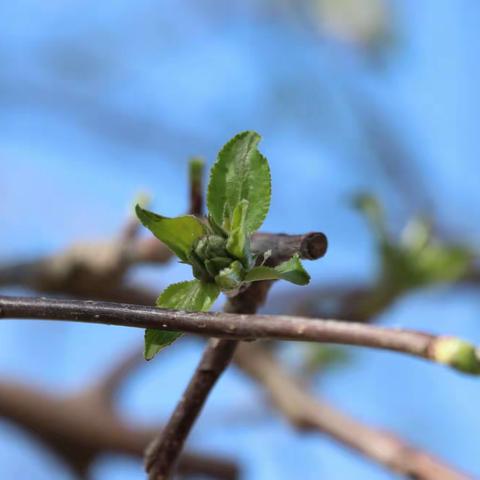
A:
(314, 245)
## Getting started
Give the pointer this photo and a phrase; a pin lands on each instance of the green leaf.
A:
(179, 233)
(240, 173)
(237, 244)
(216, 228)
(156, 340)
(292, 270)
(193, 296)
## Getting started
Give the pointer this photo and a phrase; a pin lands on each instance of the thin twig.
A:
(230, 325)
(307, 413)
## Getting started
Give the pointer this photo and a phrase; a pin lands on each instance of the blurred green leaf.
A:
(370, 207)
(417, 259)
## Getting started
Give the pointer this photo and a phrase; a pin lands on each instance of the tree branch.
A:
(162, 454)
(95, 269)
(83, 425)
(443, 349)
(307, 413)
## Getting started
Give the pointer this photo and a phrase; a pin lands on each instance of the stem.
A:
(447, 350)
(162, 454)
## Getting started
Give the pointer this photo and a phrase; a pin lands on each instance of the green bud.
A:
(211, 246)
(230, 278)
(216, 229)
(198, 268)
(209, 257)
(214, 265)
(457, 353)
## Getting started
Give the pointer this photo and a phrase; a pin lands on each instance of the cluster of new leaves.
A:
(417, 259)
(218, 247)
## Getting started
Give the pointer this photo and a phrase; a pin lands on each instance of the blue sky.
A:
(99, 101)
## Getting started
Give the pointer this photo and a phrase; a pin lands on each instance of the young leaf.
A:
(179, 233)
(292, 270)
(193, 296)
(237, 244)
(216, 228)
(240, 173)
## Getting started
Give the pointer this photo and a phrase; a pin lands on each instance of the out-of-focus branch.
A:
(307, 413)
(98, 269)
(89, 269)
(81, 426)
(108, 384)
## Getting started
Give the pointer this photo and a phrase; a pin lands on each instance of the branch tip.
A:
(456, 353)
(195, 168)
(314, 245)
